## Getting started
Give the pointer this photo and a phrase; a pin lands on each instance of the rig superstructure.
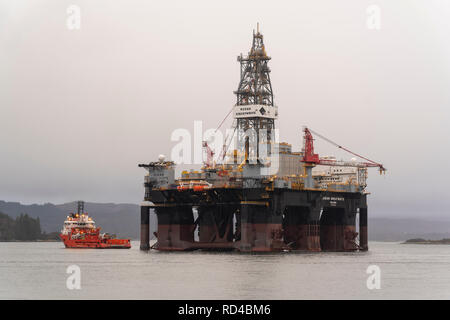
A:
(263, 196)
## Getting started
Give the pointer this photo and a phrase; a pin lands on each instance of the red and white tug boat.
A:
(79, 231)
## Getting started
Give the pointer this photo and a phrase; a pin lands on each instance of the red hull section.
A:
(91, 242)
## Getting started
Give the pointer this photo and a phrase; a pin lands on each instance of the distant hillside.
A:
(124, 220)
(121, 219)
(51, 217)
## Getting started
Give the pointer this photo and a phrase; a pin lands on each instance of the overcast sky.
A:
(79, 109)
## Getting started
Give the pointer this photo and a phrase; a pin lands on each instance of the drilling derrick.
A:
(255, 112)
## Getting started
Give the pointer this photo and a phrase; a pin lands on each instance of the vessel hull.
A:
(95, 243)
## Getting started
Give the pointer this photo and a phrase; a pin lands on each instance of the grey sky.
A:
(80, 109)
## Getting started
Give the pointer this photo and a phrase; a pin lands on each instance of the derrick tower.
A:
(255, 111)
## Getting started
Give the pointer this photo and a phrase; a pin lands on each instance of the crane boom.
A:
(310, 157)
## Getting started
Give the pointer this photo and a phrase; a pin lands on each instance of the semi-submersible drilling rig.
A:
(307, 203)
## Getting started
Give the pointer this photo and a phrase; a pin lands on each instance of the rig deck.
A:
(256, 220)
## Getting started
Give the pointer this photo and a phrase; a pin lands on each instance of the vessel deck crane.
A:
(310, 157)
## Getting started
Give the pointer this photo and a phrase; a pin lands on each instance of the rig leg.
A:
(145, 227)
(301, 229)
(314, 236)
(292, 235)
(314, 228)
(261, 229)
(247, 237)
(350, 234)
(363, 238)
(206, 231)
(175, 228)
(332, 229)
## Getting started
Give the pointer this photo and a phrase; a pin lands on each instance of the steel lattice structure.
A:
(255, 91)
(255, 86)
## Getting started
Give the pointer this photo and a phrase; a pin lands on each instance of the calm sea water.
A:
(38, 271)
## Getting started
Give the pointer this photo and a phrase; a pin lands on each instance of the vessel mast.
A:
(80, 209)
(255, 112)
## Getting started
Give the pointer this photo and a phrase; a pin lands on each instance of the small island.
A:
(424, 241)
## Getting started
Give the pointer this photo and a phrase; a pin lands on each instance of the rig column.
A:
(145, 226)
(363, 238)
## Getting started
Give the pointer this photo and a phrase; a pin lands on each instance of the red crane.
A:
(209, 155)
(310, 157)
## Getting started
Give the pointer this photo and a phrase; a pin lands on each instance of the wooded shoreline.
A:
(424, 241)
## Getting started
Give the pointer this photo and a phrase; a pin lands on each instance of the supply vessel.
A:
(79, 231)
(257, 194)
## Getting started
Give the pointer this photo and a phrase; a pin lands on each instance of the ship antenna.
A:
(80, 207)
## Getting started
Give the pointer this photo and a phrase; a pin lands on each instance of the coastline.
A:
(424, 241)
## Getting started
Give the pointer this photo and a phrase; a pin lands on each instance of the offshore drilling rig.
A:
(262, 197)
